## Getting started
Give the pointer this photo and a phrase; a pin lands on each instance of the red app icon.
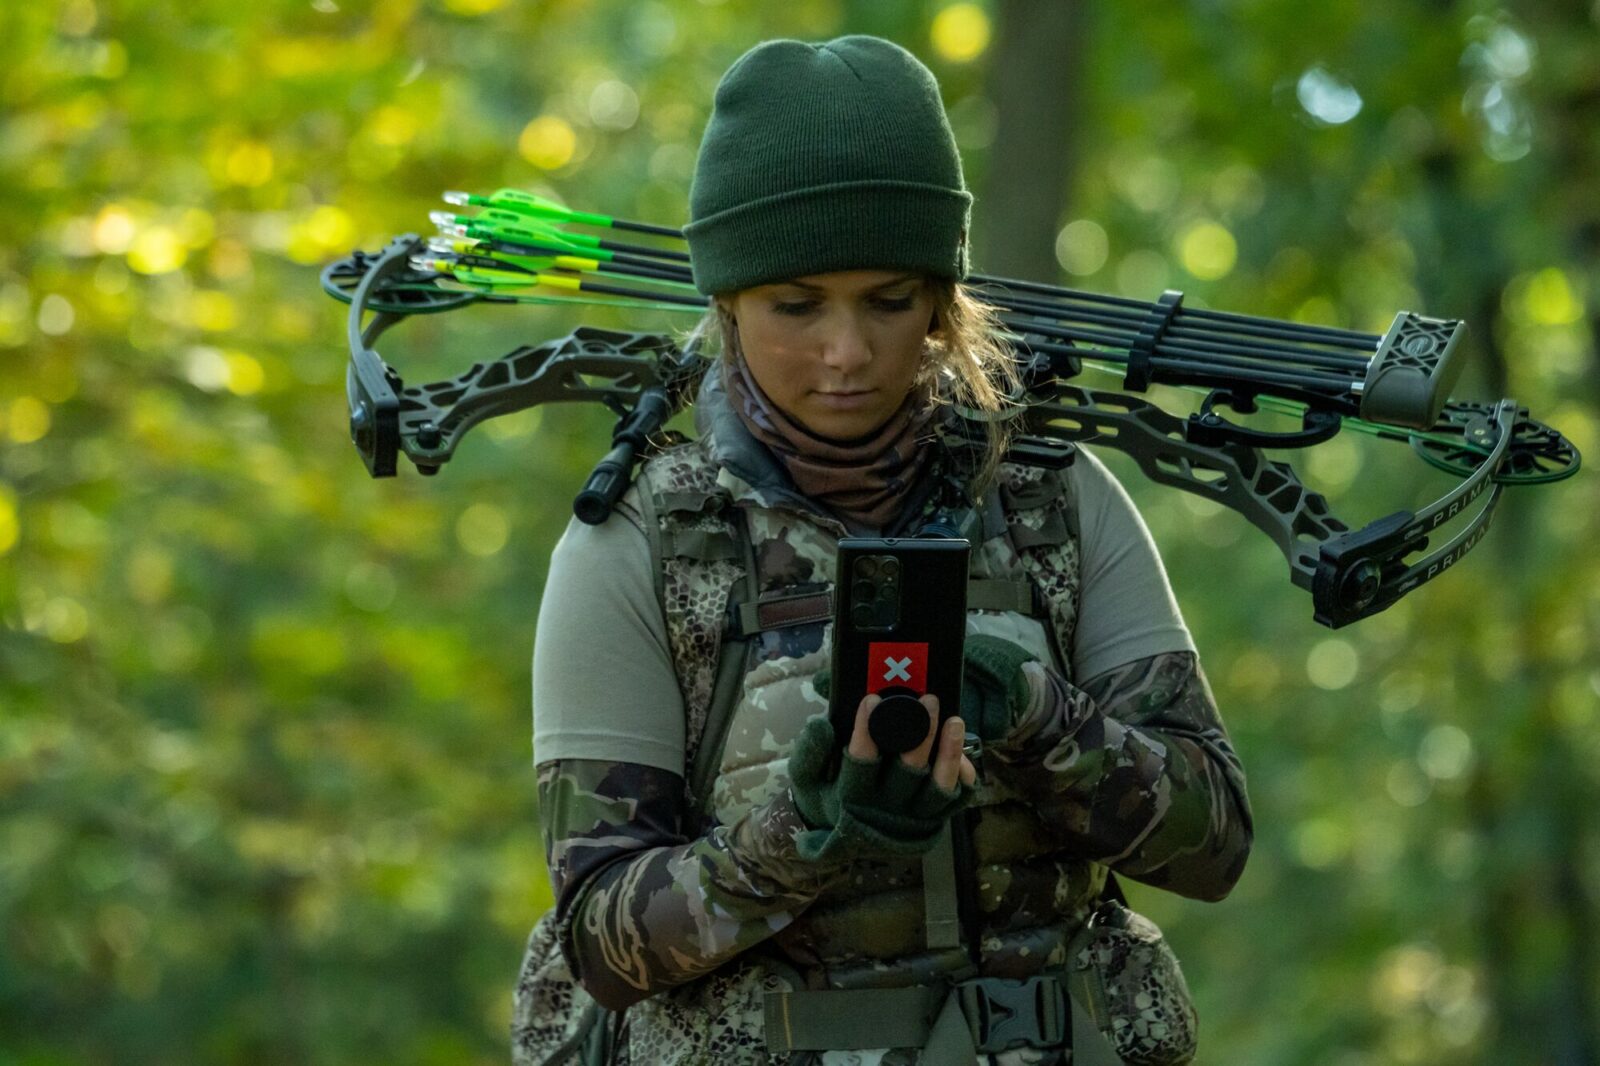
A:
(897, 665)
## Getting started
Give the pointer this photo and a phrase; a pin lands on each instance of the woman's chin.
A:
(838, 429)
(843, 417)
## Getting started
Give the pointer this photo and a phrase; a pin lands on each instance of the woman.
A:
(829, 224)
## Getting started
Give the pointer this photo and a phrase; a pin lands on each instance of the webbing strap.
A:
(1052, 530)
(731, 668)
(933, 1018)
(950, 1041)
(777, 610)
(692, 500)
(786, 609)
(732, 662)
(1089, 1045)
(996, 594)
(943, 917)
(706, 545)
(851, 1019)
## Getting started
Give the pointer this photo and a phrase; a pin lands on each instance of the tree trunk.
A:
(1033, 81)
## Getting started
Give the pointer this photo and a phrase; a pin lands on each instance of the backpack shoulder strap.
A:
(733, 661)
(1042, 521)
(704, 571)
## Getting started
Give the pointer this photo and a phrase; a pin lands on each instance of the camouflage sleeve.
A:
(1136, 770)
(640, 906)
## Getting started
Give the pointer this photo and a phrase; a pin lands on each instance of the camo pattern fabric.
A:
(643, 909)
(1136, 770)
(1120, 772)
(694, 594)
(1038, 513)
(1134, 989)
(548, 1007)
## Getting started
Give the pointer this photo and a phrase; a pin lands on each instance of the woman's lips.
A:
(845, 401)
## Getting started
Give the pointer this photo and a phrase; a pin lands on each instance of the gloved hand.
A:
(995, 690)
(872, 806)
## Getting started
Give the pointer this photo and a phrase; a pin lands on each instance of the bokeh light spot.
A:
(393, 125)
(245, 375)
(157, 250)
(55, 315)
(65, 620)
(1082, 247)
(960, 32)
(114, 229)
(10, 528)
(28, 419)
(1143, 273)
(1317, 311)
(206, 368)
(249, 164)
(1332, 664)
(547, 142)
(1329, 100)
(110, 60)
(1445, 753)
(1207, 250)
(613, 105)
(1549, 299)
(1320, 843)
(482, 529)
(1150, 182)
(1407, 786)
(331, 227)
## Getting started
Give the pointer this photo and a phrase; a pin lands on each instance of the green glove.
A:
(994, 690)
(876, 807)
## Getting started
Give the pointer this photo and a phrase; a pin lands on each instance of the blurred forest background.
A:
(266, 793)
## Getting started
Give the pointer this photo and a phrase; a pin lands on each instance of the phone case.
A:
(900, 620)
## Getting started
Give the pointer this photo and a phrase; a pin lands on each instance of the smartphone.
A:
(899, 623)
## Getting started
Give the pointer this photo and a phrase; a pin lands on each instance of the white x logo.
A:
(897, 669)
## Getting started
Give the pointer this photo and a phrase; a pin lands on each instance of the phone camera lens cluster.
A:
(875, 592)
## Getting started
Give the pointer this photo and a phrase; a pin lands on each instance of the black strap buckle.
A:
(1005, 1014)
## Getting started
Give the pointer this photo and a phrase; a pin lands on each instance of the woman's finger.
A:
(947, 767)
(918, 757)
(862, 745)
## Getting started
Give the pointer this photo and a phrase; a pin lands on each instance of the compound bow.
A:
(1393, 385)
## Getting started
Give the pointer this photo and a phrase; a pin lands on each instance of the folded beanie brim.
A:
(916, 226)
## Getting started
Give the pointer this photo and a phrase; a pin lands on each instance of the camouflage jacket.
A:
(1132, 770)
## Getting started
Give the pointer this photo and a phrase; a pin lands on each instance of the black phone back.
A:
(900, 617)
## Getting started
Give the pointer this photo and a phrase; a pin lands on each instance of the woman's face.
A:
(836, 352)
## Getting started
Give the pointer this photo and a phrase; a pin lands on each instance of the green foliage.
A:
(265, 786)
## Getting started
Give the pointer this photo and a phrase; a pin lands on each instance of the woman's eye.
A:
(802, 308)
(896, 303)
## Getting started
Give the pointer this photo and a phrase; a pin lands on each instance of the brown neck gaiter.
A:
(865, 481)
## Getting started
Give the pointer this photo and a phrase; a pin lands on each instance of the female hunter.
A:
(829, 224)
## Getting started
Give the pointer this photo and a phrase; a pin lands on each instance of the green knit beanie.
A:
(833, 156)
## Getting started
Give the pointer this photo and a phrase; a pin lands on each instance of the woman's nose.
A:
(846, 348)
